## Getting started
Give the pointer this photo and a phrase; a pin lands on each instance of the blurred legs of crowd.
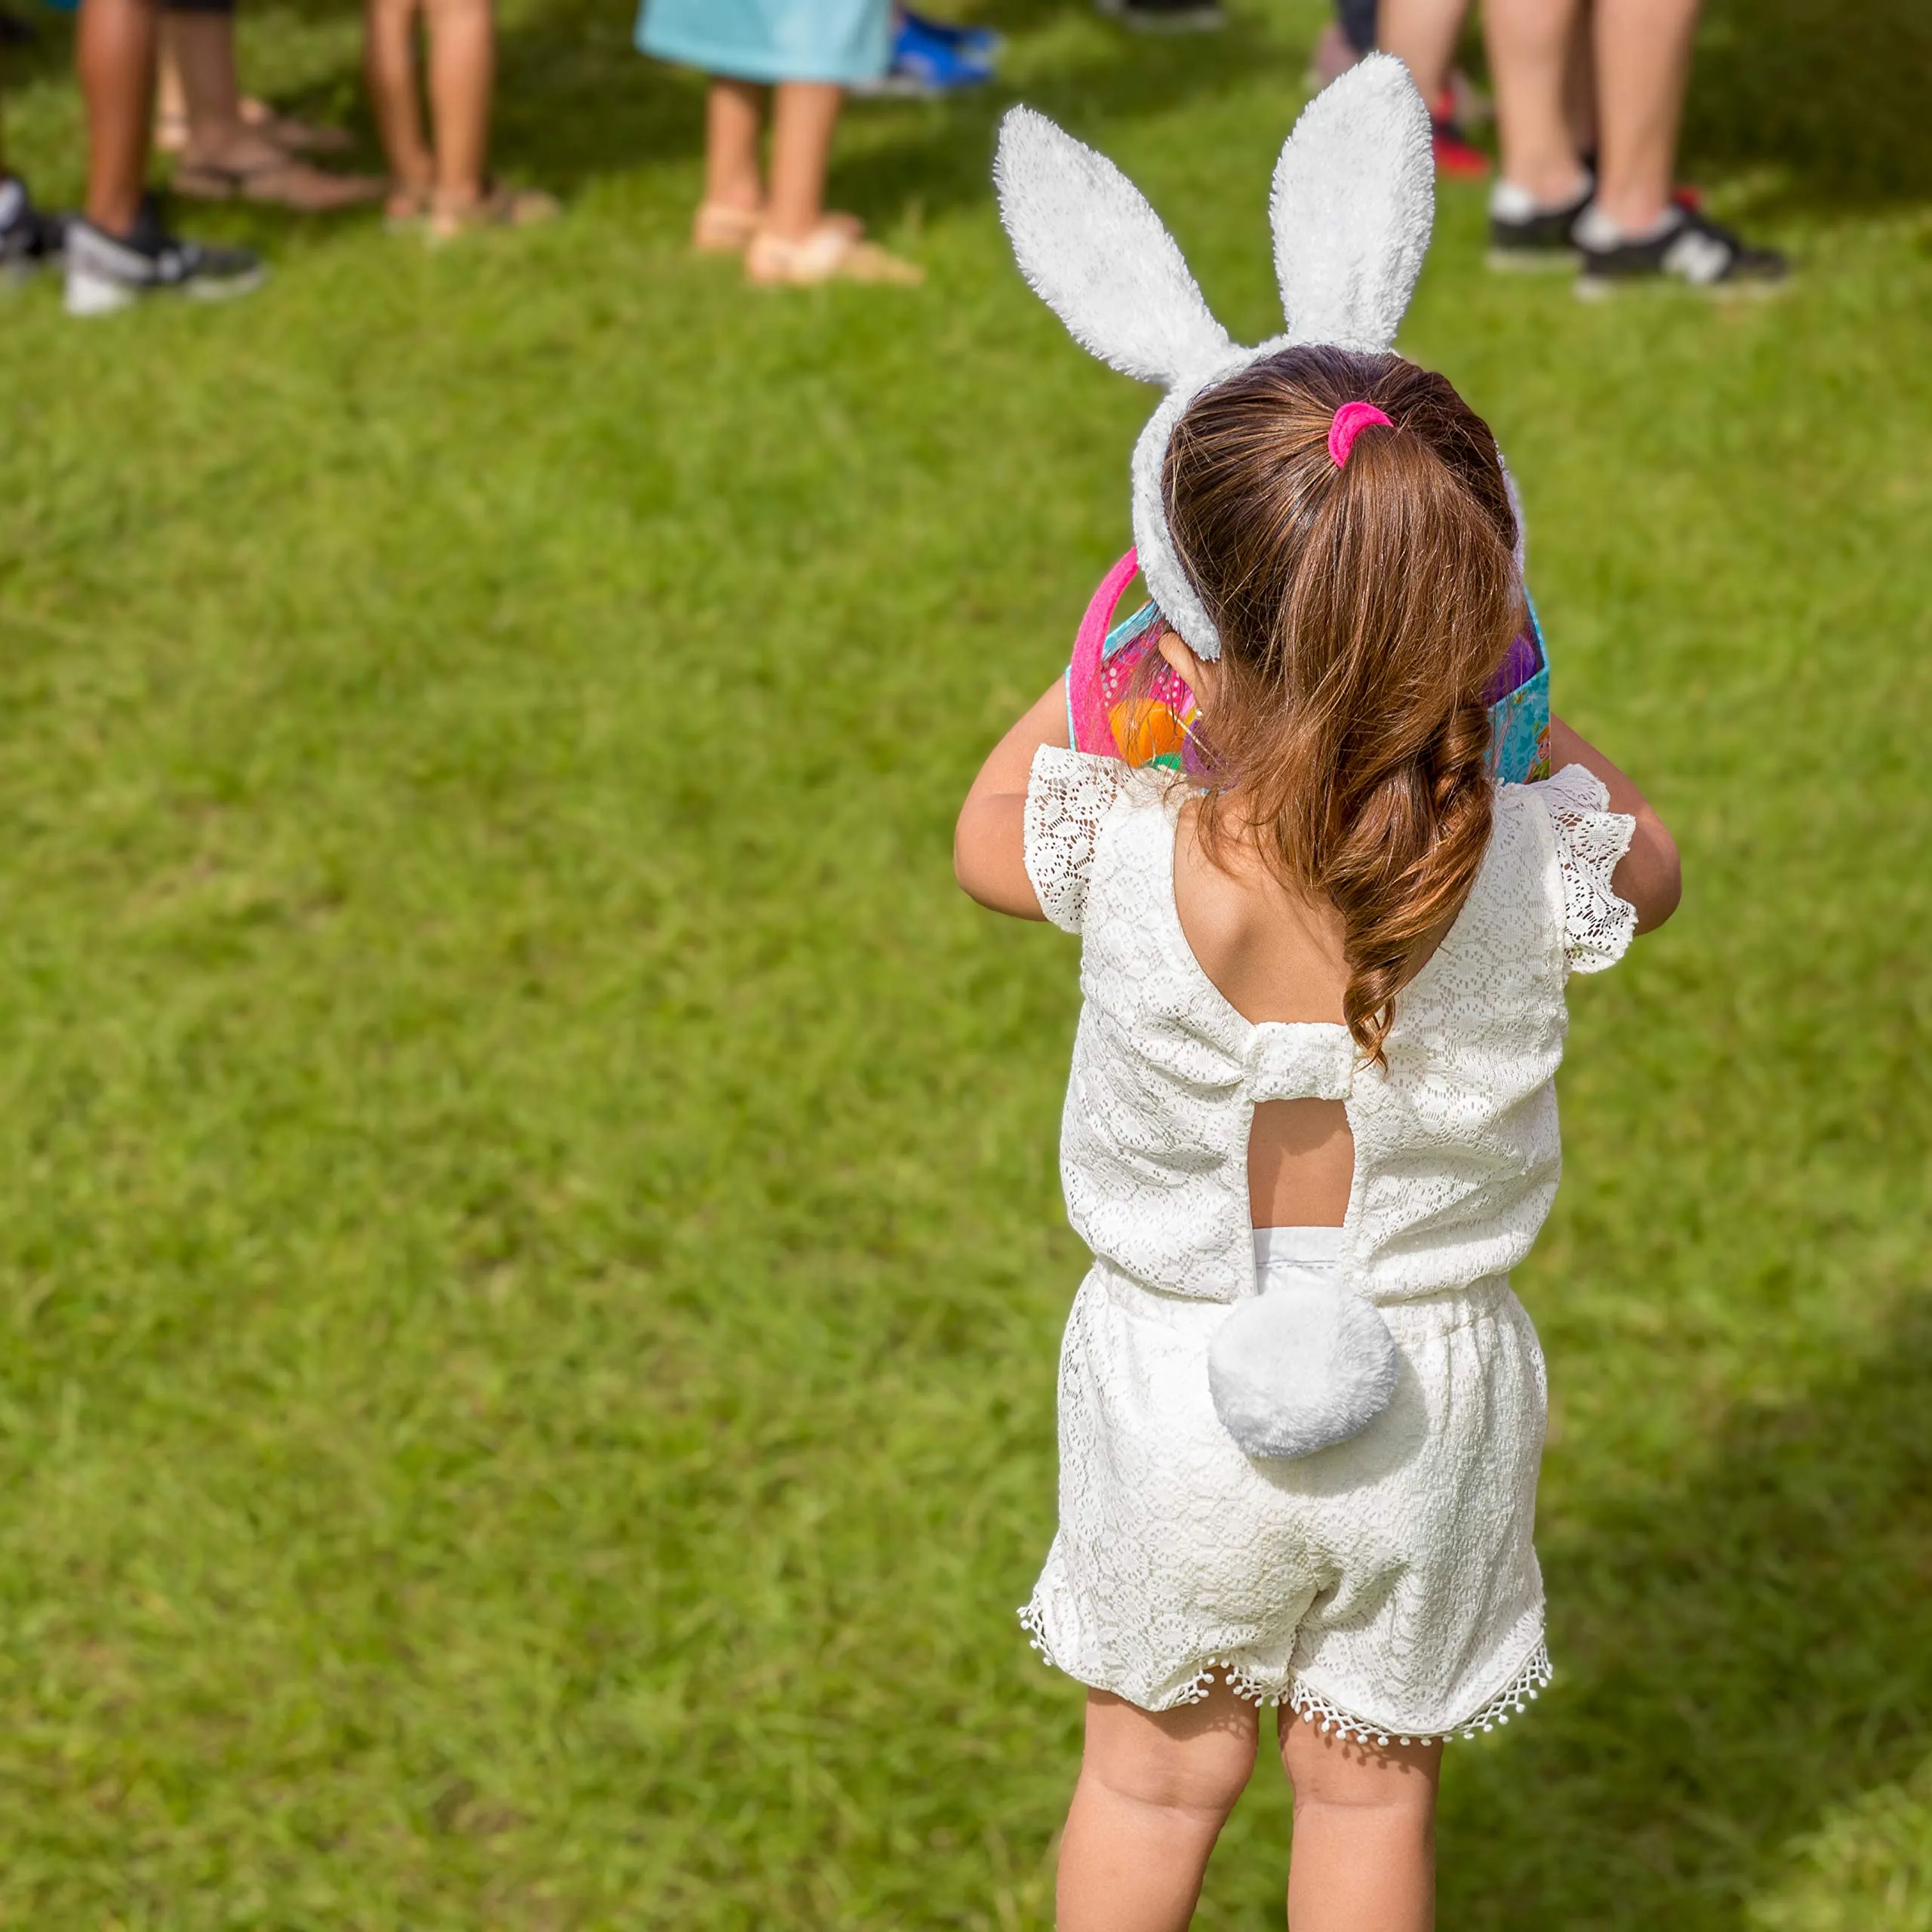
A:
(1589, 98)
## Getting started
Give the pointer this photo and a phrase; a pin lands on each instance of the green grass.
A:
(531, 1262)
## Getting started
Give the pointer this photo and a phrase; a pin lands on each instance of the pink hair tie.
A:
(1351, 419)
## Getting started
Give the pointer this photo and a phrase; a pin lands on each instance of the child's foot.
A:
(1684, 248)
(833, 251)
(720, 229)
(496, 207)
(287, 130)
(405, 208)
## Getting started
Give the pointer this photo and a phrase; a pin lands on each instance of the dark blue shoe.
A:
(979, 44)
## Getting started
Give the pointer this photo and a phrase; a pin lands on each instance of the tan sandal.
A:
(831, 252)
(496, 207)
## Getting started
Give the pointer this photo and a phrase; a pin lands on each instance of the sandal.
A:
(283, 182)
(496, 207)
(833, 251)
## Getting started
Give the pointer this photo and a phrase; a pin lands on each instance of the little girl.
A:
(1323, 1007)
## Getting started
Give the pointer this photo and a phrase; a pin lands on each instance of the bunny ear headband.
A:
(1353, 202)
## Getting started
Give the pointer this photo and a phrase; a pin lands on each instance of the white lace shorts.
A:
(1389, 1584)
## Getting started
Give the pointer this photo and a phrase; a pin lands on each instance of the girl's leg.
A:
(804, 114)
(1531, 46)
(1643, 51)
(734, 115)
(1155, 1789)
(1364, 1851)
(389, 54)
(463, 65)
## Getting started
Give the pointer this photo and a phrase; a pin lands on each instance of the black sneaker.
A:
(1694, 250)
(106, 271)
(30, 239)
(1524, 239)
(1166, 15)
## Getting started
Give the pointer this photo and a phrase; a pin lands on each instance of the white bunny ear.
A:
(1098, 257)
(1353, 204)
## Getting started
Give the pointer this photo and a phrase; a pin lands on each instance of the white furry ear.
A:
(1353, 204)
(1097, 256)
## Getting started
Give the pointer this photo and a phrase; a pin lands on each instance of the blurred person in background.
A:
(118, 250)
(1613, 76)
(222, 156)
(804, 54)
(439, 181)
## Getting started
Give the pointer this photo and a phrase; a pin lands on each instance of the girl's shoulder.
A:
(1074, 798)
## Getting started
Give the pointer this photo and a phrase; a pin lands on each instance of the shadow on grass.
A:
(1737, 1655)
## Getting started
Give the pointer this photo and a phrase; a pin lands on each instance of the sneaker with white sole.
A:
(1687, 248)
(107, 272)
(1527, 236)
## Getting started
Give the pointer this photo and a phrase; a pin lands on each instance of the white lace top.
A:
(1388, 1583)
(1456, 1150)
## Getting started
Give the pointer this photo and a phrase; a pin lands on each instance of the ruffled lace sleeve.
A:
(1590, 840)
(1068, 794)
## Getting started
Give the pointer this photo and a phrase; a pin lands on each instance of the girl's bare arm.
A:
(1649, 876)
(989, 843)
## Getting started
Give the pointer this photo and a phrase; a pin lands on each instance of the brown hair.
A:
(1362, 612)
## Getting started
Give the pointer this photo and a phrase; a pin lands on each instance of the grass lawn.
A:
(531, 1259)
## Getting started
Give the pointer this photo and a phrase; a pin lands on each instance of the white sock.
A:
(13, 200)
(1594, 229)
(1508, 202)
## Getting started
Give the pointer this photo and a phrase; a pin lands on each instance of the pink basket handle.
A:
(1086, 714)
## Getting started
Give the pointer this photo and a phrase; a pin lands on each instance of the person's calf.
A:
(1155, 1789)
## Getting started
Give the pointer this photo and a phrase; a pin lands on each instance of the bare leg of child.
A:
(734, 116)
(389, 57)
(462, 64)
(804, 114)
(1364, 1850)
(1155, 1789)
